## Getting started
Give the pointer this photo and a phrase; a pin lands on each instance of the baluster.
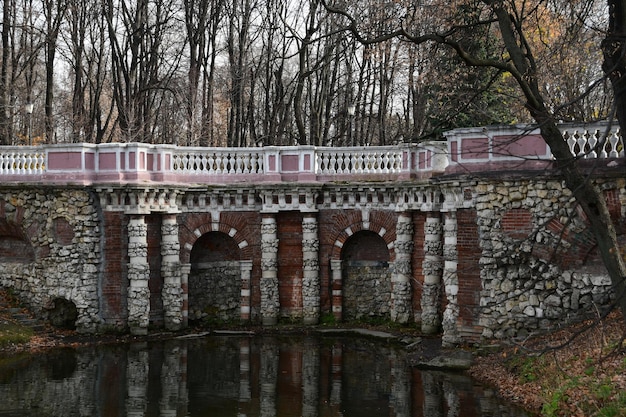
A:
(324, 164)
(218, 163)
(29, 164)
(332, 168)
(592, 141)
(359, 162)
(571, 142)
(245, 158)
(581, 141)
(386, 162)
(254, 169)
(379, 162)
(613, 140)
(239, 163)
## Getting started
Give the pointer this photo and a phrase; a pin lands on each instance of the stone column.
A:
(310, 270)
(172, 292)
(451, 334)
(138, 275)
(337, 290)
(137, 371)
(244, 304)
(245, 390)
(268, 378)
(270, 301)
(185, 270)
(402, 271)
(310, 378)
(400, 398)
(432, 268)
(172, 397)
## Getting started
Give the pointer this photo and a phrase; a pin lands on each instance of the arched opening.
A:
(14, 245)
(63, 314)
(214, 279)
(366, 277)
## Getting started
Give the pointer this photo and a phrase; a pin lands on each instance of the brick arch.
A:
(192, 231)
(380, 223)
(15, 246)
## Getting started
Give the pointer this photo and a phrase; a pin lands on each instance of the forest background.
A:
(281, 72)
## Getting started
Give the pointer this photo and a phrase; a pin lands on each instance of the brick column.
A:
(270, 301)
(172, 292)
(138, 275)
(451, 334)
(432, 267)
(310, 270)
(401, 272)
(337, 289)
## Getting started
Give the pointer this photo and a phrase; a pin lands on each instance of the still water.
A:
(236, 376)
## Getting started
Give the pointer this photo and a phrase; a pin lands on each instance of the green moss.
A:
(13, 334)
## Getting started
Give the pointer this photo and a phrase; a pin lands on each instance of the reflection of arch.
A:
(215, 278)
(14, 245)
(366, 278)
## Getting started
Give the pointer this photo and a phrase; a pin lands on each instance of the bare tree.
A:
(518, 60)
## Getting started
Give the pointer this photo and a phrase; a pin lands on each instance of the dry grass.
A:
(575, 372)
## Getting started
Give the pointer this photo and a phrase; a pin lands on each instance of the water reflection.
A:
(237, 377)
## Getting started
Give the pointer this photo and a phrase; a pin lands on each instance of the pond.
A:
(236, 376)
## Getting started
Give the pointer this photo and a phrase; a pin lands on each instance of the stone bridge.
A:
(475, 236)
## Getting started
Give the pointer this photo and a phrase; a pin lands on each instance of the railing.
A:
(524, 143)
(467, 149)
(370, 160)
(218, 161)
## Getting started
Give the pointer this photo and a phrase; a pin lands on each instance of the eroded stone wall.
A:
(539, 267)
(62, 228)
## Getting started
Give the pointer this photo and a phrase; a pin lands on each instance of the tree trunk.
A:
(614, 51)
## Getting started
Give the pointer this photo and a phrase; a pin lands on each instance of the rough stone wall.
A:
(64, 231)
(215, 291)
(537, 267)
(366, 290)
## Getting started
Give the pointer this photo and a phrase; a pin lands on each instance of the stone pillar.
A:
(402, 271)
(246, 270)
(432, 268)
(270, 301)
(310, 378)
(451, 334)
(336, 375)
(137, 371)
(185, 270)
(268, 378)
(172, 292)
(337, 290)
(433, 395)
(400, 398)
(310, 270)
(245, 390)
(138, 275)
(173, 398)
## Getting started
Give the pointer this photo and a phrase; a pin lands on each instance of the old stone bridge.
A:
(475, 236)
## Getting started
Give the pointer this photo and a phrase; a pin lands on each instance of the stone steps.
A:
(21, 317)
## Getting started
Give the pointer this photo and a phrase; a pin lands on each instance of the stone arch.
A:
(15, 246)
(370, 226)
(215, 278)
(366, 276)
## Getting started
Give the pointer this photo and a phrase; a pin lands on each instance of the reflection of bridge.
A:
(144, 235)
(239, 376)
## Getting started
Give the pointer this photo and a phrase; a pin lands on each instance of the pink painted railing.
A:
(472, 149)
(135, 162)
(467, 146)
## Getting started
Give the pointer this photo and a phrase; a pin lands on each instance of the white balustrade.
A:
(91, 163)
(595, 141)
(369, 160)
(21, 161)
(218, 161)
